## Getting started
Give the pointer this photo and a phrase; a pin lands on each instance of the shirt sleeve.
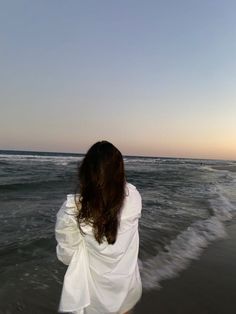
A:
(67, 233)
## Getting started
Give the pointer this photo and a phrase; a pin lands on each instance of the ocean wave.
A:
(227, 168)
(29, 185)
(3, 163)
(189, 244)
(176, 256)
(221, 205)
(55, 159)
(25, 249)
(145, 160)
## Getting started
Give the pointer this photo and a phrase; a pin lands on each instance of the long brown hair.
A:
(101, 183)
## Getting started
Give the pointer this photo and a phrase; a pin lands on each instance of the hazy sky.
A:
(155, 78)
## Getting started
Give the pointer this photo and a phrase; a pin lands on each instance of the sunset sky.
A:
(156, 78)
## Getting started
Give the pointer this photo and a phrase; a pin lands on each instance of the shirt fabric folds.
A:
(100, 278)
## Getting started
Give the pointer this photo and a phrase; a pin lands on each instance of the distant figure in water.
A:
(97, 237)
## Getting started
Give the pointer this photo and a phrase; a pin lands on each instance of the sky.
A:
(155, 78)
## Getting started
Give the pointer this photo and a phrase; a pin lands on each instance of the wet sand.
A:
(208, 286)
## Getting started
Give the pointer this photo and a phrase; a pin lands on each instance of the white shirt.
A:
(101, 278)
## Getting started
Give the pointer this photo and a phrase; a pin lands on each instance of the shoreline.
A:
(207, 286)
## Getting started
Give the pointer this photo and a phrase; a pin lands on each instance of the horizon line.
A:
(124, 155)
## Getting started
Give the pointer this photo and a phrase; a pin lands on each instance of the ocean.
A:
(187, 204)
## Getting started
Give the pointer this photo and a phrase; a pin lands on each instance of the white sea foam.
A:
(62, 160)
(221, 205)
(189, 244)
(141, 160)
(177, 255)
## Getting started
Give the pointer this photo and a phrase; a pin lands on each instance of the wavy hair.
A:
(101, 187)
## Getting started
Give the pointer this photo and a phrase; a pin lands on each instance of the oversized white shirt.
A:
(100, 278)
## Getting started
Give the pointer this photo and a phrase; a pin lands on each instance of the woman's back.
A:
(122, 254)
(101, 278)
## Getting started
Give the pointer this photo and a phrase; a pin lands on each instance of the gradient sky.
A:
(156, 78)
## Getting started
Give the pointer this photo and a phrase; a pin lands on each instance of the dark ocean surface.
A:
(186, 205)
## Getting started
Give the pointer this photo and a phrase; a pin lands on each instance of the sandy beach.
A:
(207, 286)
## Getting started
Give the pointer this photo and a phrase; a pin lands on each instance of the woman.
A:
(97, 235)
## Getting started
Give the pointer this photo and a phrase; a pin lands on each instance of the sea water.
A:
(186, 205)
